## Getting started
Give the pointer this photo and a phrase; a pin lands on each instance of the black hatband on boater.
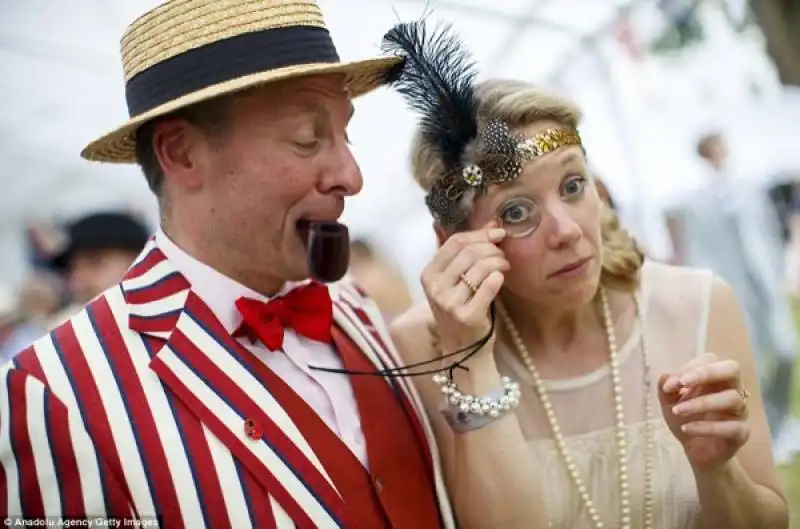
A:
(225, 60)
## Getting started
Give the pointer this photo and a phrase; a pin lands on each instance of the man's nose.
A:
(343, 175)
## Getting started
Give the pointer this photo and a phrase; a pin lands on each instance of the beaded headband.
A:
(436, 77)
(501, 157)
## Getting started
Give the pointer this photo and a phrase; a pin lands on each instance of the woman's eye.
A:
(574, 186)
(515, 214)
(520, 217)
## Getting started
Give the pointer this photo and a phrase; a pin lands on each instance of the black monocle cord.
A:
(397, 372)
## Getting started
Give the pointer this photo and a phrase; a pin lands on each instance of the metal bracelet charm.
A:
(490, 405)
(467, 412)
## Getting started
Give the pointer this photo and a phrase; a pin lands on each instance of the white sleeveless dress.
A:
(674, 303)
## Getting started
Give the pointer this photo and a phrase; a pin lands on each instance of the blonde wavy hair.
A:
(521, 104)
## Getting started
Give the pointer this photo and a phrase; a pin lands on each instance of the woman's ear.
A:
(441, 234)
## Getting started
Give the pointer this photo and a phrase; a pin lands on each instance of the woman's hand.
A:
(465, 260)
(705, 406)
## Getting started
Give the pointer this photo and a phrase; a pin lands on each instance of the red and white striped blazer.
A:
(135, 407)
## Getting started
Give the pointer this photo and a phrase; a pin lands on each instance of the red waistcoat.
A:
(398, 490)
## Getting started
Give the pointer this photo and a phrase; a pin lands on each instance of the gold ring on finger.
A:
(744, 394)
(472, 286)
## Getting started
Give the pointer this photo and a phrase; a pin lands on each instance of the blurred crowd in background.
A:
(745, 228)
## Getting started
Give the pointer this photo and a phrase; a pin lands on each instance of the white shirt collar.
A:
(217, 290)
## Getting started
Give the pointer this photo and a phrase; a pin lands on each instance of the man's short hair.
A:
(362, 248)
(211, 116)
(706, 141)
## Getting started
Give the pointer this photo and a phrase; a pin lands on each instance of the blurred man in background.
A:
(26, 312)
(379, 279)
(15, 332)
(97, 251)
(730, 226)
(41, 296)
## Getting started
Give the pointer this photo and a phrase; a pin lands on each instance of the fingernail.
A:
(496, 234)
(671, 384)
(689, 379)
(685, 427)
(678, 409)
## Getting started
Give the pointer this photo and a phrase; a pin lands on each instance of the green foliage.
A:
(790, 474)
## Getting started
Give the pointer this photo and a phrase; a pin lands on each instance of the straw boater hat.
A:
(187, 51)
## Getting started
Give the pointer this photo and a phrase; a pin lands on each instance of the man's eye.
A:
(307, 145)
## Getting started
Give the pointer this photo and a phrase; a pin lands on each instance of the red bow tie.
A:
(307, 309)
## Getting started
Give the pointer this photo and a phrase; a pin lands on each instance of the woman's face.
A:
(552, 215)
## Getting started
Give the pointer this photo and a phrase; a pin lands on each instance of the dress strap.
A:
(706, 282)
(647, 282)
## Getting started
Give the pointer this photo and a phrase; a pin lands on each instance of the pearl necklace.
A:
(621, 440)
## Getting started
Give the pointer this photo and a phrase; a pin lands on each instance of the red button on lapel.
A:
(252, 430)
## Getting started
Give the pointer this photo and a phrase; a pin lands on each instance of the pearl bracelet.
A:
(488, 405)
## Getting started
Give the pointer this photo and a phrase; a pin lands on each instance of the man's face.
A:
(282, 160)
(91, 272)
(717, 152)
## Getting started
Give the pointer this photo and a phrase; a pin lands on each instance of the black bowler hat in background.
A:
(100, 231)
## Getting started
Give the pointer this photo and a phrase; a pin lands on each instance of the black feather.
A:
(436, 78)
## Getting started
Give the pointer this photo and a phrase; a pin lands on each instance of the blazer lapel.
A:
(351, 312)
(206, 368)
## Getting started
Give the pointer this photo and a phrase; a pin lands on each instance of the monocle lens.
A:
(519, 217)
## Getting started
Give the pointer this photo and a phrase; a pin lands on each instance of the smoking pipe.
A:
(328, 251)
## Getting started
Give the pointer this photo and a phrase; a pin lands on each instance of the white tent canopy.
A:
(62, 86)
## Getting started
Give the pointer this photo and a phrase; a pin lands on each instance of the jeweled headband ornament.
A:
(437, 79)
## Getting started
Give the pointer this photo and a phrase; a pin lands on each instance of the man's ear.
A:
(175, 143)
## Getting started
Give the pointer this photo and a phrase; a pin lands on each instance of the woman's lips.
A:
(573, 269)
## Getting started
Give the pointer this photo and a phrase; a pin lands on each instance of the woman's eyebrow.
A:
(570, 158)
(502, 195)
